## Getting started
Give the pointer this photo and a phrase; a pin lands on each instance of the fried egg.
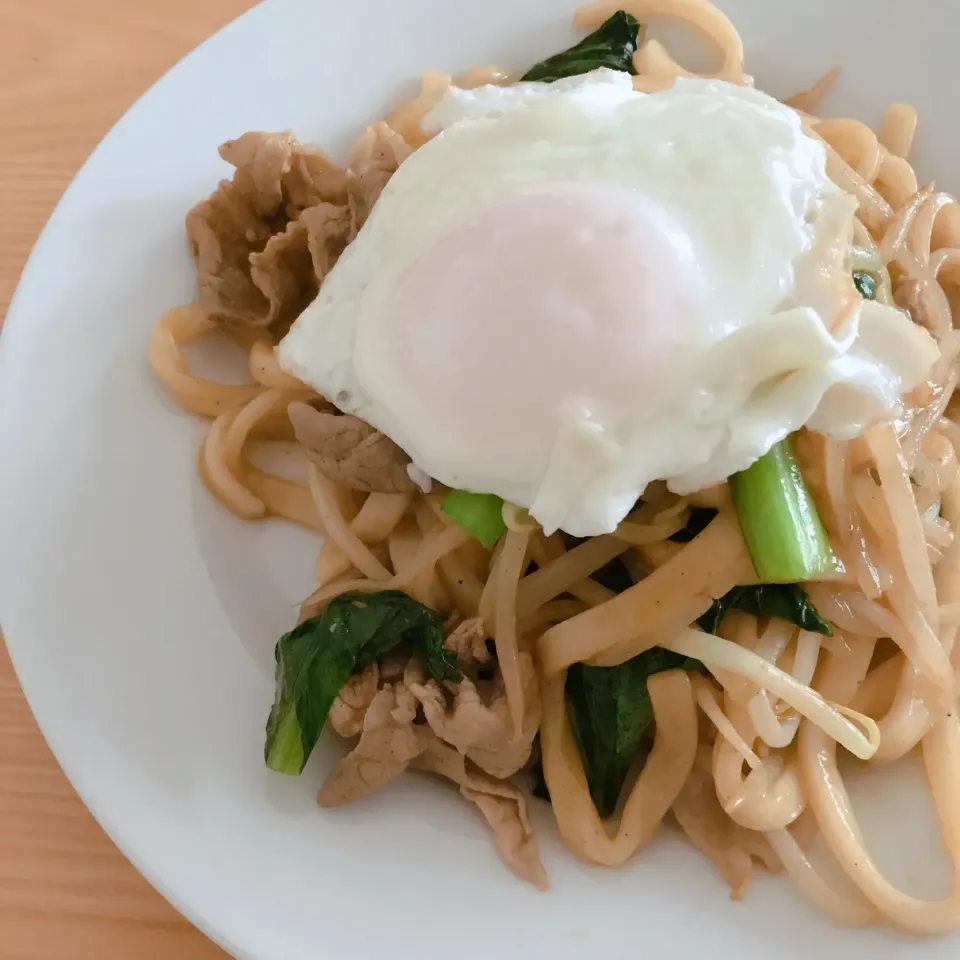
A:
(574, 289)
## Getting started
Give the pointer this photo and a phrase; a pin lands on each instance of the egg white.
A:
(774, 345)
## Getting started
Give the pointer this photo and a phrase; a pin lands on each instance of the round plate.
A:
(141, 616)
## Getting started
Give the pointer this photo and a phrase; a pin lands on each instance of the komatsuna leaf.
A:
(315, 659)
(611, 717)
(788, 601)
(611, 45)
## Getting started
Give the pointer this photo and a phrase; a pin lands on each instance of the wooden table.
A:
(68, 70)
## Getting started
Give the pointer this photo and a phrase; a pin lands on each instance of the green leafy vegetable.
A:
(612, 45)
(788, 601)
(866, 283)
(480, 513)
(316, 659)
(611, 715)
(779, 520)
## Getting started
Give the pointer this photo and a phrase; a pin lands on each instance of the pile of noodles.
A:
(745, 759)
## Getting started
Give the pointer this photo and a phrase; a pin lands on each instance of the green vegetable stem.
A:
(479, 513)
(611, 45)
(779, 520)
(316, 659)
(866, 283)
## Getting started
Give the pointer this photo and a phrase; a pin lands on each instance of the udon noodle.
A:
(744, 760)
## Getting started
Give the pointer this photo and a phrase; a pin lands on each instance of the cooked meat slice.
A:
(503, 753)
(389, 741)
(730, 847)
(283, 273)
(392, 667)
(348, 710)
(458, 715)
(350, 452)
(373, 160)
(329, 230)
(223, 230)
(503, 806)
(277, 174)
(469, 642)
(257, 262)
(292, 265)
(474, 718)
(392, 739)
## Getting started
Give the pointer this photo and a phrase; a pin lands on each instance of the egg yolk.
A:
(573, 292)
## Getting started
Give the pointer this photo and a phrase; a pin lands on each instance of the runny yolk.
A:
(566, 292)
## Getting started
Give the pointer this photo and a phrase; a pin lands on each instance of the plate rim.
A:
(126, 846)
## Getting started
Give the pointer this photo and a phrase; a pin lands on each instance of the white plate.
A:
(141, 617)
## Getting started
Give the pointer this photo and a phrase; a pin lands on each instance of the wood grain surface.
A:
(68, 70)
